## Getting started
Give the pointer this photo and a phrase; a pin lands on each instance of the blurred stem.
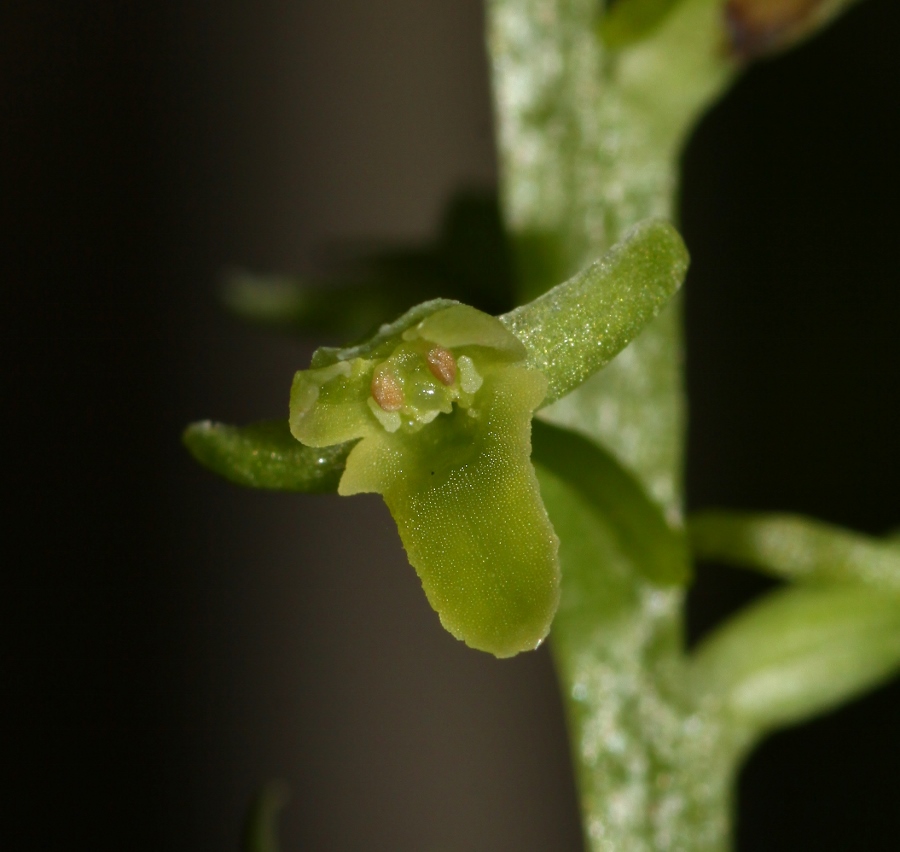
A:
(588, 144)
(261, 828)
(589, 140)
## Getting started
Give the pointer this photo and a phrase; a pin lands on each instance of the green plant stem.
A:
(588, 146)
(589, 143)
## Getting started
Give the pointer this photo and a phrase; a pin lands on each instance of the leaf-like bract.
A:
(798, 652)
(795, 548)
(266, 455)
(658, 551)
(579, 326)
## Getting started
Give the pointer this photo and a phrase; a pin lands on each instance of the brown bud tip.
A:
(387, 392)
(442, 365)
(758, 27)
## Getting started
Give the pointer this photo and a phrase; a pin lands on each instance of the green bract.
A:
(265, 455)
(442, 404)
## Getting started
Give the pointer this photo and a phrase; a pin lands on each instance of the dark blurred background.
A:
(169, 641)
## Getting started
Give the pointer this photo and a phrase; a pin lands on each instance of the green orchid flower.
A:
(441, 405)
(435, 413)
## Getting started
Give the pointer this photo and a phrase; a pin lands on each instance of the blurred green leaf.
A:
(261, 827)
(540, 262)
(628, 21)
(289, 303)
(658, 551)
(266, 455)
(795, 548)
(599, 575)
(582, 324)
(470, 261)
(798, 652)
